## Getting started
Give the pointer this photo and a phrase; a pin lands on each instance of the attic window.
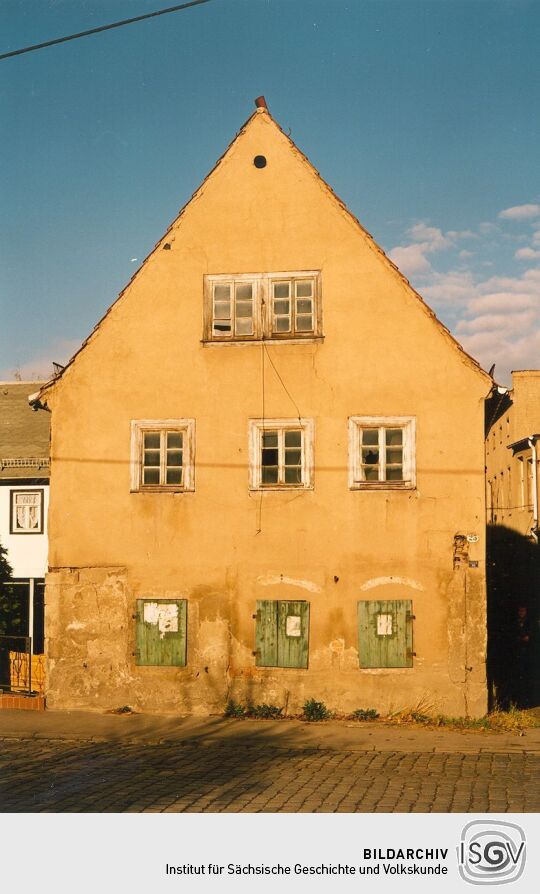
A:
(259, 161)
(253, 306)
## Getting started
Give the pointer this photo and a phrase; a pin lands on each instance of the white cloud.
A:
(461, 234)
(527, 254)
(431, 238)
(496, 318)
(505, 323)
(506, 352)
(410, 259)
(448, 288)
(506, 301)
(520, 212)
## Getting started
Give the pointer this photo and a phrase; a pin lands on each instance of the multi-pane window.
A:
(381, 452)
(162, 457)
(281, 453)
(233, 308)
(262, 306)
(162, 454)
(293, 306)
(26, 512)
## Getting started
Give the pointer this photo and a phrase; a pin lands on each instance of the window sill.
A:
(24, 533)
(297, 340)
(280, 488)
(162, 490)
(382, 485)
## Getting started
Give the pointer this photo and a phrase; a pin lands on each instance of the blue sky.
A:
(423, 116)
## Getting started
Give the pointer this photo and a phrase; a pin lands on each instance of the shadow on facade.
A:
(513, 600)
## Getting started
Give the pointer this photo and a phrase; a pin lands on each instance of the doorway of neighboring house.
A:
(22, 663)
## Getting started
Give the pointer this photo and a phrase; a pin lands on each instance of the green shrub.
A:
(314, 711)
(234, 710)
(265, 712)
(365, 714)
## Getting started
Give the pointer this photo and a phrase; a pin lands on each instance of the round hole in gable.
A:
(259, 161)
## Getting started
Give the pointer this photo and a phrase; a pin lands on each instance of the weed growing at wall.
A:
(314, 711)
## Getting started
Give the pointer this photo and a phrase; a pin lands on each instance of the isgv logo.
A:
(491, 852)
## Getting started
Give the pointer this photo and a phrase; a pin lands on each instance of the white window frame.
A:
(256, 429)
(263, 306)
(138, 428)
(408, 425)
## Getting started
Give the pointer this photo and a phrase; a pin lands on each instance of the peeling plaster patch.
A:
(76, 625)
(380, 581)
(165, 616)
(268, 579)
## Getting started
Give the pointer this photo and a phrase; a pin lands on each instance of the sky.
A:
(424, 117)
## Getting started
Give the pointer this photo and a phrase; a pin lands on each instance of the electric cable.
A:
(148, 15)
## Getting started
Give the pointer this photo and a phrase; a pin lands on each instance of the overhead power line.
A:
(148, 15)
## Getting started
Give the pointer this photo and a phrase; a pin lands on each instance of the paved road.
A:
(52, 775)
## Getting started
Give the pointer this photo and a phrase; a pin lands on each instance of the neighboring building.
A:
(512, 470)
(24, 498)
(268, 469)
(513, 454)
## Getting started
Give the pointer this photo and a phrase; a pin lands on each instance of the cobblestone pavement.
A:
(56, 776)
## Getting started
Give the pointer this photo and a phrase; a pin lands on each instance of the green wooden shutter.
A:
(385, 633)
(161, 632)
(266, 633)
(293, 634)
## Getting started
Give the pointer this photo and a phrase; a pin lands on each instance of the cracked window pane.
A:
(370, 456)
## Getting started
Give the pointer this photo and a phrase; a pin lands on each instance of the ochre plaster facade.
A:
(223, 547)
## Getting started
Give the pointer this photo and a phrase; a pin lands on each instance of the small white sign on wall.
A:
(384, 625)
(294, 627)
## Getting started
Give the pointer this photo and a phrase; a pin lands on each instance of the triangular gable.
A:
(41, 396)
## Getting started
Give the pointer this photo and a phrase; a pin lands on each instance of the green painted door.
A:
(385, 633)
(161, 632)
(282, 633)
